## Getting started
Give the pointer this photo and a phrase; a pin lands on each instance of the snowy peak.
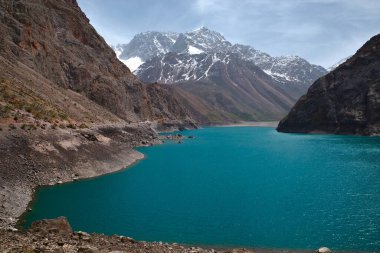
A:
(203, 39)
(286, 70)
(148, 44)
(174, 67)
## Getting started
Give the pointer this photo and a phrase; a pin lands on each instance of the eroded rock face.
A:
(345, 101)
(54, 39)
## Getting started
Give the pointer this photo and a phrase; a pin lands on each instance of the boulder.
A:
(323, 250)
(59, 225)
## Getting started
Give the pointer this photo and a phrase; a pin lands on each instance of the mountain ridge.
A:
(345, 101)
(202, 58)
(204, 40)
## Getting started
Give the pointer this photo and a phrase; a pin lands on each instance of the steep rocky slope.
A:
(345, 101)
(52, 42)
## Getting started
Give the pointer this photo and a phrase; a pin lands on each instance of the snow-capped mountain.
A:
(144, 46)
(284, 69)
(289, 70)
(179, 67)
(221, 87)
(201, 40)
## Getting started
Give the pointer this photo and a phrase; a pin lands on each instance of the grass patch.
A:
(27, 127)
(14, 99)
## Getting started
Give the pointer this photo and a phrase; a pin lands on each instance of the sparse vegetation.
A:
(27, 127)
(17, 103)
(83, 125)
(71, 125)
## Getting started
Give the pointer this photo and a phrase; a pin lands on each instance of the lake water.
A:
(241, 186)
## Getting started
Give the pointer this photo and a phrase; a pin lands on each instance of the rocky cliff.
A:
(49, 48)
(345, 101)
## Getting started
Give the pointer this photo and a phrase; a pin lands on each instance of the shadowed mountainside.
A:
(345, 101)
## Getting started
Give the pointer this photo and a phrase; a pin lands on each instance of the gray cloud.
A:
(322, 31)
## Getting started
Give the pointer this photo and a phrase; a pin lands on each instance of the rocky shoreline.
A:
(42, 157)
(56, 235)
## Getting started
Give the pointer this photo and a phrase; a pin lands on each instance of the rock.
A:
(90, 137)
(88, 249)
(59, 225)
(12, 229)
(82, 234)
(127, 239)
(323, 250)
(345, 101)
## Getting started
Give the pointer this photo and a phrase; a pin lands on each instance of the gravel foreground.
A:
(56, 235)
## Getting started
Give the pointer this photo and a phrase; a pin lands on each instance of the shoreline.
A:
(251, 124)
(132, 158)
(129, 157)
(45, 158)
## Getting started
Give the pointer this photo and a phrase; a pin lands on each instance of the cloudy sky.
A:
(321, 31)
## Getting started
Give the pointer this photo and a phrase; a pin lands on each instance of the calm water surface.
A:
(241, 186)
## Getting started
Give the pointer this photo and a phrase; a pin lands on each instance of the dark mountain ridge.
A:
(345, 101)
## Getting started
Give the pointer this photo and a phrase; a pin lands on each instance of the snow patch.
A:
(279, 76)
(132, 63)
(194, 50)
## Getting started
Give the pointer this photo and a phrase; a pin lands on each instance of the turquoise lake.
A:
(235, 186)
